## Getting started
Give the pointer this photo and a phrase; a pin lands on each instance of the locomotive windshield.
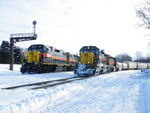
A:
(40, 48)
(92, 49)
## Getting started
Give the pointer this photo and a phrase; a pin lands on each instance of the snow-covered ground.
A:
(117, 92)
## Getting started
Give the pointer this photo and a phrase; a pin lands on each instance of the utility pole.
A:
(19, 37)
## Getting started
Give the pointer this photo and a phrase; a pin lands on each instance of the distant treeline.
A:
(125, 57)
(5, 55)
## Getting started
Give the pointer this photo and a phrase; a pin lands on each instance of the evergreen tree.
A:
(18, 55)
(4, 52)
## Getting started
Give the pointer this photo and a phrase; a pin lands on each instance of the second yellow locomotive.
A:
(94, 61)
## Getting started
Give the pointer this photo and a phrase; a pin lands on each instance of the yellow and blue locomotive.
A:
(94, 61)
(42, 58)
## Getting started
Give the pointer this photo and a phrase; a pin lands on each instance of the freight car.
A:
(95, 61)
(42, 58)
(121, 66)
(130, 65)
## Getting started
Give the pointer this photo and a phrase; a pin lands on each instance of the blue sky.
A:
(71, 24)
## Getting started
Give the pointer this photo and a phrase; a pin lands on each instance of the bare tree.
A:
(143, 12)
(138, 55)
(123, 57)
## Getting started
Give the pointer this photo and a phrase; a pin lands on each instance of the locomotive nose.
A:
(87, 58)
(33, 56)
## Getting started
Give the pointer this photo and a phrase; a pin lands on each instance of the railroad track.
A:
(46, 84)
(59, 83)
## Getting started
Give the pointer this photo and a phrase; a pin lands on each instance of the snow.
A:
(117, 92)
(82, 70)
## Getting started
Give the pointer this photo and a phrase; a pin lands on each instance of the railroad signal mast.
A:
(19, 37)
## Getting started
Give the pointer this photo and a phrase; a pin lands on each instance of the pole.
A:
(34, 29)
(34, 25)
(11, 54)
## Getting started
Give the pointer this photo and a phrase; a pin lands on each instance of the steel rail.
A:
(59, 83)
(37, 83)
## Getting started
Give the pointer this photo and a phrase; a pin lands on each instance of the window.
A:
(92, 49)
(36, 48)
(56, 50)
(45, 49)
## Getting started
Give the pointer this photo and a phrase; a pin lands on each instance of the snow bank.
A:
(24, 100)
(37, 99)
(117, 92)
